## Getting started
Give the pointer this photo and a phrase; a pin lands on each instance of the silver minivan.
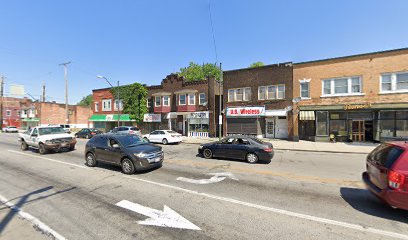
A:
(127, 130)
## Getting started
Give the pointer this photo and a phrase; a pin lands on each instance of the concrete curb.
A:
(298, 150)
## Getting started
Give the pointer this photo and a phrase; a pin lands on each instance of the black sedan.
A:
(130, 152)
(238, 147)
(87, 133)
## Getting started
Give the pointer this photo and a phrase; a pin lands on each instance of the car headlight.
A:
(139, 155)
(200, 147)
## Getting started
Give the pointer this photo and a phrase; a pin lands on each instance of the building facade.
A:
(105, 111)
(52, 113)
(189, 108)
(258, 101)
(355, 98)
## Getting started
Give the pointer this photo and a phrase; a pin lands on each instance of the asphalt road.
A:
(299, 195)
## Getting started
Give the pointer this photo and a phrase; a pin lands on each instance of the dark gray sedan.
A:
(246, 148)
(130, 152)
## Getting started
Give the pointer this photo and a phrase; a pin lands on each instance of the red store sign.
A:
(245, 111)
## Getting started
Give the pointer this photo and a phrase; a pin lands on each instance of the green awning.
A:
(31, 120)
(109, 118)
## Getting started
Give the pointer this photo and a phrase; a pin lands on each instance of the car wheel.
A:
(252, 158)
(41, 149)
(164, 141)
(72, 148)
(127, 166)
(207, 153)
(24, 146)
(90, 160)
(147, 140)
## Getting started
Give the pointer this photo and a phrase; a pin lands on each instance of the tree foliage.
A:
(257, 64)
(86, 101)
(197, 72)
(134, 97)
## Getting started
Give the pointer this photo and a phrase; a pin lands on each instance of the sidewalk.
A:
(17, 228)
(339, 147)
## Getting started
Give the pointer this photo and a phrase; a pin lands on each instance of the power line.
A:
(212, 30)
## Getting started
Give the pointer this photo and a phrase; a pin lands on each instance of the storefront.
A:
(152, 122)
(107, 122)
(354, 123)
(245, 120)
(29, 122)
(276, 124)
(192, 124)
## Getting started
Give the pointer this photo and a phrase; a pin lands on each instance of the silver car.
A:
(127, 130)
(10, 129)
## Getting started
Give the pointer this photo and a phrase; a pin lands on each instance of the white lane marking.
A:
(33, 220)
(49, 159)
(261, 207)
(217, 177)
(166, 218)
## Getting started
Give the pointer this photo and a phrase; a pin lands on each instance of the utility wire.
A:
(212, 30)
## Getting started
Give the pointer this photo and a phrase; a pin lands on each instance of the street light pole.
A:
(66, 90)
(117, 94)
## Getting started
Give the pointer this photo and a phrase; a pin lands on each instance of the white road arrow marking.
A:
(217, 177)
(166, 218)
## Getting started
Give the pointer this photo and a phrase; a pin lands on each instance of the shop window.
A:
(402, 124)
(342, 86)
(321, 123)
(394, 82)
(157, 101)
(338, 127)
(387, 123)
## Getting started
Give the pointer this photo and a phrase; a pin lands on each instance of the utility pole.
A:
(43, 92)
(220, 103)
(66, 90)
(1, 101)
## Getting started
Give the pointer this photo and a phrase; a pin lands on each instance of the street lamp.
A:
(118, 96)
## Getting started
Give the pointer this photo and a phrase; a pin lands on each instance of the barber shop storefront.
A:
(354, 123)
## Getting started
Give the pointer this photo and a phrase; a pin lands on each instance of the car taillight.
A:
(93, 133)
(395, 180)
(268, 149)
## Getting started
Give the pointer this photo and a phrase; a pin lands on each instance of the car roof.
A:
(401, 144)
(52, 126)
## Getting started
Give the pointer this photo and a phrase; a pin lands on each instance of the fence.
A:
(198, 134)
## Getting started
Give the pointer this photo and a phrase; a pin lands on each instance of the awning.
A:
(307, 115)
(275, 113)
(109, 118)
(31, 120)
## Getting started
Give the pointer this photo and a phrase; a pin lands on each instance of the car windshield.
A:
(172, 132)
(11, 127)
(130, 140)
(51, 130)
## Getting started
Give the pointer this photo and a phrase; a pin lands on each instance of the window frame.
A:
(8, 113)
(96, 106)
(193, 98)
(349, 86)
(393, 82)
(155, 101)
(179, 99)
(301, 90)
(276, 92)
(108, 103)
(199, 99)
(163, 101)
(246, 94)
(118, 102)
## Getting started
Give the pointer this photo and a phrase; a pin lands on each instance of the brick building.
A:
(11, 111)
(190, 108)
(54, 113)
(359, 98)
(105, 111)
(258, 101)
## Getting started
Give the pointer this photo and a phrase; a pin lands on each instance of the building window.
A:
(394, 82)
(106, 105)
(342, 86)
(96, 107)
(182, 99)
(18, 113)
(149, 103)
(271, 92)
(8, 113)
(118, 103)
(201, 99)
(166, 101)
(304, 90)
(157, 101)
(191, 99)
(321, 123)
(239, 94)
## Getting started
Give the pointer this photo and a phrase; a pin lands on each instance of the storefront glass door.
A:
(358, 130)
(270, 128)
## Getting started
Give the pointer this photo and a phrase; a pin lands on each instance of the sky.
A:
(146, 40)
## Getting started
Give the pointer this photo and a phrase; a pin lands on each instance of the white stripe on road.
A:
(33, 220)
(252, 205)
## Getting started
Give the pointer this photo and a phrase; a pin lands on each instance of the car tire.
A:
(24, 146)
(90, 160)
(164, 141)
(41, 149)
(145, 138)
(127, 166)
(72, 148)
(252, 158)
(207, 153)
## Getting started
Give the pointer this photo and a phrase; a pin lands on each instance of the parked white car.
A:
(163, 136)
(10, 129)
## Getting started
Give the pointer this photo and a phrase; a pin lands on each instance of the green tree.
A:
(86, 101)
(134, 97)
(257, 64)
(197, 72)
